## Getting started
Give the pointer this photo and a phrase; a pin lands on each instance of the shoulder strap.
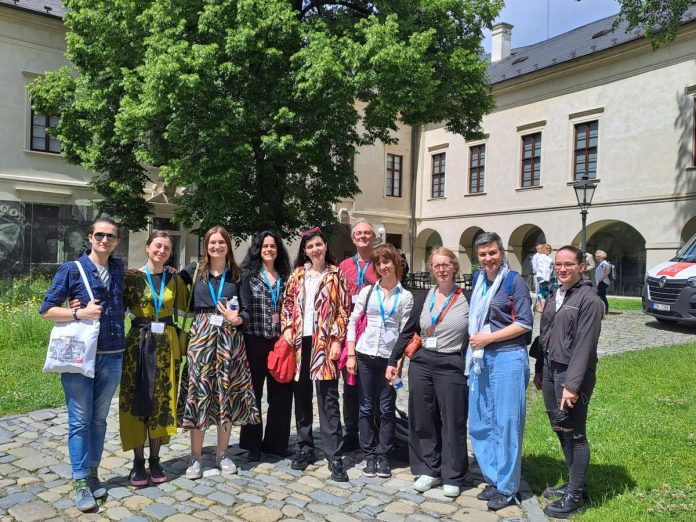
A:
(457, 292)
(475, 279)
(85, 280)
(369, 294)
(509, 281)
(190, 299)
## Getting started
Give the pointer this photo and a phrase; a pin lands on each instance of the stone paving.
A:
(35, 472)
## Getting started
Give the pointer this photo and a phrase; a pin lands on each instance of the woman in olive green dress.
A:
(149, 382)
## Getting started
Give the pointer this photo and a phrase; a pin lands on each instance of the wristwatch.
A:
(74, 313)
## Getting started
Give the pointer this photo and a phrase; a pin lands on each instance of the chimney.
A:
(501, 41)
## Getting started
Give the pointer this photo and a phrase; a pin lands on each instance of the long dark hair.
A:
(252, 262)
(306, 236)
(230, 262)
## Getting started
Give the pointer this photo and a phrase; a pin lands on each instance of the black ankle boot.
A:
(138, 476)
(157, 473)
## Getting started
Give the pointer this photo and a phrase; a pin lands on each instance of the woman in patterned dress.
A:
(219, 389)
(314, 317)
(147, 400)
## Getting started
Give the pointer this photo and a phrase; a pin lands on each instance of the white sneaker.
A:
(450, 491)
(194, 471)
(425, 482)
(226, 465)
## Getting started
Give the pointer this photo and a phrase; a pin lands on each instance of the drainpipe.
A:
(415, 145)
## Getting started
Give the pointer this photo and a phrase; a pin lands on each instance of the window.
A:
(438, 181)
(477, 169)
(586, 138)
(40, 139)
(531, 160)
(394, 164)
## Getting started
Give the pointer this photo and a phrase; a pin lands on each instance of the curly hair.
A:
(252, 261)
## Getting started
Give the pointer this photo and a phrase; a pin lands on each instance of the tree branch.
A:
(318, 3)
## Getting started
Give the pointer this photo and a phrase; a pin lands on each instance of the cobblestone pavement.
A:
(35, 472)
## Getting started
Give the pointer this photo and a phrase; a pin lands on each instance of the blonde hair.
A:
(600, 253)
(546, 248)
(444, 251)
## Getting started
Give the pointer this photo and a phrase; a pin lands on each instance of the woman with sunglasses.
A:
(219, 391)
(149, 383)
(266, 269)
(386, 306)
(437, 399)
(313, 319)
(88, 399)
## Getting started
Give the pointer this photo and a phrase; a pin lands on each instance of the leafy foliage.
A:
(257, 107)
(659, 19)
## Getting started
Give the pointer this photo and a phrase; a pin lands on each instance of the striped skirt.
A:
(219, 381)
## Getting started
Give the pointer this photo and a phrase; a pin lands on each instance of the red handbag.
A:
(281, 361)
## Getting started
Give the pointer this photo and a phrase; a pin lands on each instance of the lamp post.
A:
(584, 192)
(380, 236)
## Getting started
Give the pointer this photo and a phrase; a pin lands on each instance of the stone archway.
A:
(427, 240)
(522, 246)
(688, 231)
(467, 256)
(625, 248)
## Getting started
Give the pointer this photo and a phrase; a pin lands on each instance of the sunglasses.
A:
(100, 236)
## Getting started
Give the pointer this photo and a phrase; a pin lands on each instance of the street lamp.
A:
(380, 236)
(584, 192)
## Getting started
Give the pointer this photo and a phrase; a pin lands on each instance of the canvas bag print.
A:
(72, 347)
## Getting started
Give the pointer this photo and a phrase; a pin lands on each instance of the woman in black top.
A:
(266, 269)
(219, 389)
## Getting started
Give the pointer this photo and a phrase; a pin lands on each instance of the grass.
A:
(23, 387)
(625, 303)
(642, 431)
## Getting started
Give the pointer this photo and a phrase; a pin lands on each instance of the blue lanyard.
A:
(275, 293)
(435, 318)
(220, 288)
(360, 277)
(381, 304)
(157, 299)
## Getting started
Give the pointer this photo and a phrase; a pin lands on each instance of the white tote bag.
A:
(73, 345)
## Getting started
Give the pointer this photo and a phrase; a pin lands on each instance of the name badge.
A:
(216, 320)
(157, 328)
(354, 298)
(388, 336)
(275, 318)
(431, 342)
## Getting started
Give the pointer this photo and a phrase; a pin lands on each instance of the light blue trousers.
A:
(497, 407)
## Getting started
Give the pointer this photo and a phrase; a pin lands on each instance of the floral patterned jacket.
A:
(332, 306)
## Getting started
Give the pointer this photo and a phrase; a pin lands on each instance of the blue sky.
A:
(530, 18)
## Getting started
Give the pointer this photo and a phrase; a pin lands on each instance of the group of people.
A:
(354, 321)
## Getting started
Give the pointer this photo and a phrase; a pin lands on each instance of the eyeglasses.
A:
(565, 265)
(443, 266)
(100, 236)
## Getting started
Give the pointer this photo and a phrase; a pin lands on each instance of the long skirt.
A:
(219, 390)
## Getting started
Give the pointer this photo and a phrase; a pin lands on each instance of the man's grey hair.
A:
(488, 237)
(358, 222)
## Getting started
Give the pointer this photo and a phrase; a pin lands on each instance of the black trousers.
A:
(377, 401)
(327, 401)
(351, 407)
(602, 293)
(279, 414)
(438, 407)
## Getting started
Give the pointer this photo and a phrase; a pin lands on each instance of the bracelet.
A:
(74, 313)
(351, 355)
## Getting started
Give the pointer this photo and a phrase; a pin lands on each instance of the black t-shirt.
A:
(201, 293)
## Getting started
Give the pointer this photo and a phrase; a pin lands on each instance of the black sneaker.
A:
(302, 459)
(138, 477)
(282, 453)
(552, 493)
(95, 485)
(488, 493)
(338, 473)
(349, 443)
(157, 473)
(370, 469)
(566, 506)
(383, 469)
(500, 501)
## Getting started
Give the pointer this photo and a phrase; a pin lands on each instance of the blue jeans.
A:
(88, 401)
(497, 407)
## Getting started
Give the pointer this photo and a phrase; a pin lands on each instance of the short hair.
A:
(104, 220)
(488, 237)
(600, 253)
(579, 259)
(546, 248)
(388, 252)
(358, 222)
(444, 251)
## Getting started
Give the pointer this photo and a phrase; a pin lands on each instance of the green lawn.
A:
(625, 303)
(642, 431)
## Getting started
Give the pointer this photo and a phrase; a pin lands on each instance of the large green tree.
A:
(658, 19)
(257, 107)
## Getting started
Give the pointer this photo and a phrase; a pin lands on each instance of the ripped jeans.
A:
(571, 432)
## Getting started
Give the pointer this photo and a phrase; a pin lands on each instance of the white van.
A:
(669, 293)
